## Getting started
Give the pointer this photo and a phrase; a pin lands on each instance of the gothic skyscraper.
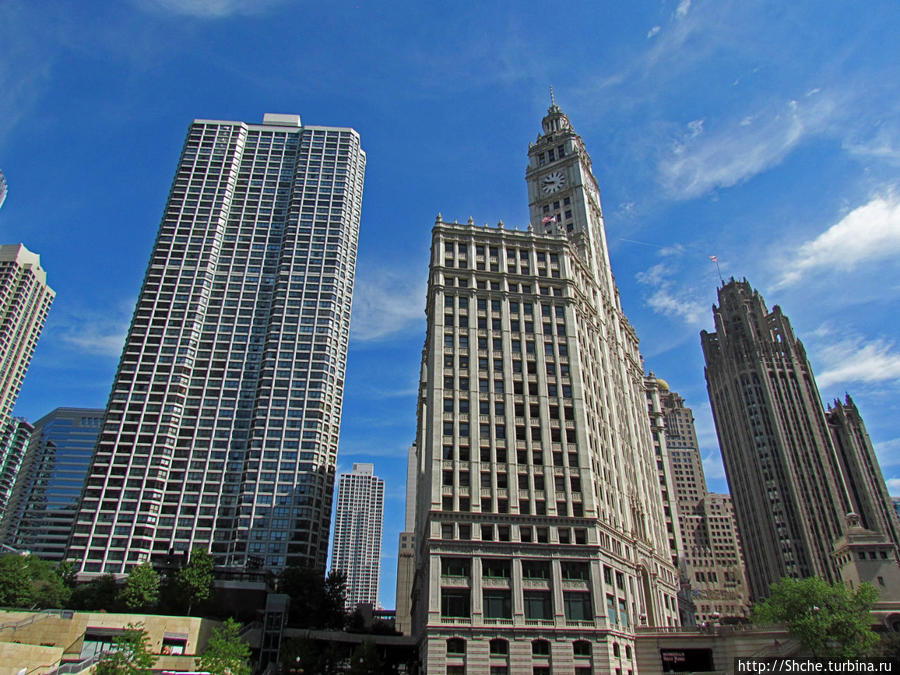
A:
(792, 492)
(540, 536)
(222, 426)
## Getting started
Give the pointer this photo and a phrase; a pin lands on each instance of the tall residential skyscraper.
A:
(3, 189)
(221, 430)
(45, 495)
(25, 300)
(540, 536)
(791, 492)
(357, 533)
(15, 433)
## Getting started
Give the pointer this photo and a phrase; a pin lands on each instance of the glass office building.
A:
(45, 494)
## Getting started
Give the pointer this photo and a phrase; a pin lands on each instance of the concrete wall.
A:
(725, 642)
(51, 637)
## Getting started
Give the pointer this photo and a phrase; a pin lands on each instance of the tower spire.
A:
(552, 97)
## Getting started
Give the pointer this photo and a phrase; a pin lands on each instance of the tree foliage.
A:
(226, 653)
(366, 660)
(29, 582)
(141, 590)
(302, 655)
(195, 580)
(315, 602)
(828, 619)
(130, 656)
(101, 593)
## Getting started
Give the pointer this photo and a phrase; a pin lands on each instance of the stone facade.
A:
(541, 541)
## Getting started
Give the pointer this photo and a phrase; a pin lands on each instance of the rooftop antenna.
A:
(715, 259)
(552, 98)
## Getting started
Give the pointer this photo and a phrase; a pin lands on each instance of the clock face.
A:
(553, 182)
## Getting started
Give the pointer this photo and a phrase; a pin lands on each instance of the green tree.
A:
(29, 582)
(100, 593)
(366, 660)
(828, 619)
(195, 580)
(141, 590)
(226, 653)
(131, 655)
(308, 657)
(67, 574)
(315, 602)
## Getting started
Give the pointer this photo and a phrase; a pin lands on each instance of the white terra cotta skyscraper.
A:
(540, 536)
(221, 430)
(357, 534)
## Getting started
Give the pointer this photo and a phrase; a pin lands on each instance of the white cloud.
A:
(209, 9)
(96, 335)
(700, 162)
(683, 7)
(676, 249)
(653, 31)
(387, 302)
(869, 232)
(713, 468)
(666, 299)
(855, 361)
(893, 485)
(888, 452)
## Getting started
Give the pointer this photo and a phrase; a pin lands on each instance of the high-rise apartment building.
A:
(15, 433)
(540, 536)
(708, 548)
(358, 522)
(792, 494)
(45, 494)
(221, 430)
(3, 189)
(25, 300)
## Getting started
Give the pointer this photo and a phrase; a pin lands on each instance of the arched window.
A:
(456, 646)
(581, 648)
(540, 648)
(499, 646)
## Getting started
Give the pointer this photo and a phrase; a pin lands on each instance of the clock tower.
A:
(540, 533)
(563, 197)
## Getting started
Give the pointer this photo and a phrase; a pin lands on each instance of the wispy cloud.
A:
(208, 9)
(859, 361)
(683, 8)
(653, 31)
(387, 302)
(713, 468)
(93, 333)
(25, 66)
(868, 232)
(668, 298)
(888, 452)
(736, 151)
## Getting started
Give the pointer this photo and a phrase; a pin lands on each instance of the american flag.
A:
(715, 259)
(548, 219)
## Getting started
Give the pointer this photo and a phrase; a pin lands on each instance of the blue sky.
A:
(765, 133)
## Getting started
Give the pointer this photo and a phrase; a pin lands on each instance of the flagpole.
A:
(715, 259)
